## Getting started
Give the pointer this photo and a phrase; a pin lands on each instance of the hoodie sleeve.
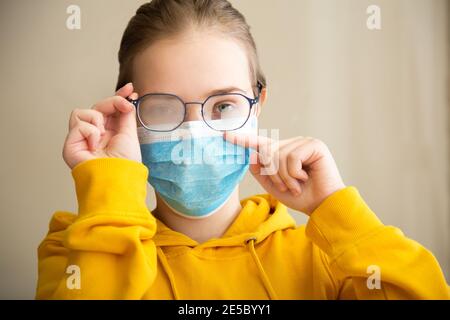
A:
(106, 251)
(368, 259)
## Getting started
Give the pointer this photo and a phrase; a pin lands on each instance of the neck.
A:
(203, 229)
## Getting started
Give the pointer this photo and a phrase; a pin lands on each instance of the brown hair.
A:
(160, 19)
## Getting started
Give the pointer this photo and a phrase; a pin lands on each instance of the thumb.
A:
(127, 121)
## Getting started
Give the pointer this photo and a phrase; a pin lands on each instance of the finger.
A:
(291, 182)
(264, 180)
(127, 123)
(125, 91)
(305, 154)
(91, 116)
(267, 150)
(134, 96)
(277, 182)
(85, 131)
(269, 159)
(123, 122)
(263, 145)
(247, 140)
(293, 167)
(268, 167)
(112, 105)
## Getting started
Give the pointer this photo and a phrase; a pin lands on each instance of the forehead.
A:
(191, 65)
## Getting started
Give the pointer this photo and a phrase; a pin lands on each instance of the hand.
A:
(300, 172)
(107, 130)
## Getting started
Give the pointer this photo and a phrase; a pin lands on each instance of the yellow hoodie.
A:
(120, 251)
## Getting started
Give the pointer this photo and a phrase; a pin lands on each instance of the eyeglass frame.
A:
(252, 102)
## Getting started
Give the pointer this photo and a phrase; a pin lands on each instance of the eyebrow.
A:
(226, 90)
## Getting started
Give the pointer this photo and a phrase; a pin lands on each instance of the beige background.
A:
(379, 99)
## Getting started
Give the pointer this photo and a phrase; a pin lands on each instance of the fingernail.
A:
(126, 84)
(129, 106)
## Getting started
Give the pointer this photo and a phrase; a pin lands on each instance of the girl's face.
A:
(193, 66)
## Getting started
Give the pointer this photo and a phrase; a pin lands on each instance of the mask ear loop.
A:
(255, 109)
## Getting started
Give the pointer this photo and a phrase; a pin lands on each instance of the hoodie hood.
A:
(261, 215)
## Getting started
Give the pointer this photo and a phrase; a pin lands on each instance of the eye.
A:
(223, 107)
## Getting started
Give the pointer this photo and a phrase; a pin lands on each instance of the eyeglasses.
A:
(164, 112)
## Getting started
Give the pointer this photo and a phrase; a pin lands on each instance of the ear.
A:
(262, 100)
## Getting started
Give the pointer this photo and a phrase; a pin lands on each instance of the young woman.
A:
(184, 119)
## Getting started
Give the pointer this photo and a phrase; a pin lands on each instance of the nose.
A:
(193, 111)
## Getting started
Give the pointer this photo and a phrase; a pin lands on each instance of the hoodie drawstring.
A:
(168, 271)
(262, 273)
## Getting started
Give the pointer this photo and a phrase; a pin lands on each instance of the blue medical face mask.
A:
(193, 168)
